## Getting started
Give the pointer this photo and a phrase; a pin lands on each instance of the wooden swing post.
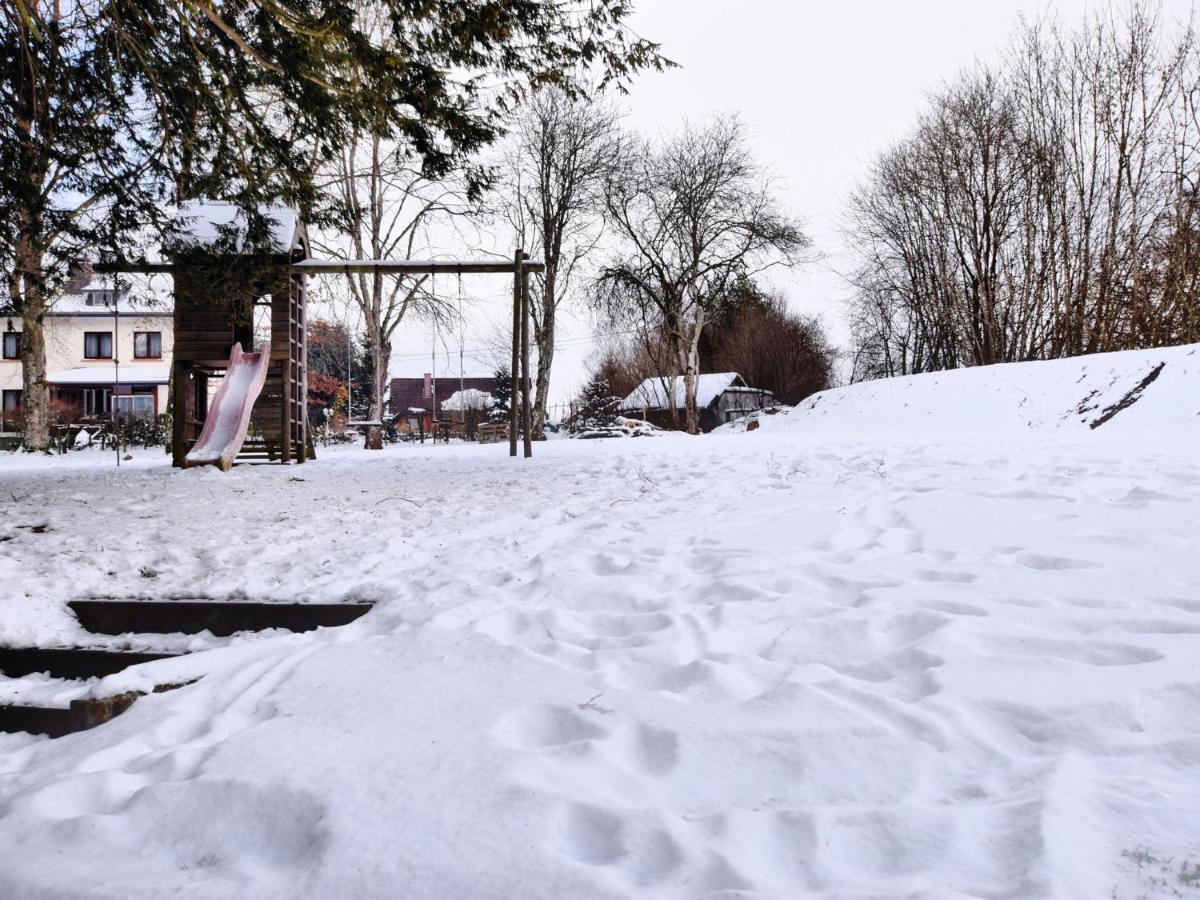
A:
(526, 407)
(518, 258)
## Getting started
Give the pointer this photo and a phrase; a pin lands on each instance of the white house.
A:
(96, 344)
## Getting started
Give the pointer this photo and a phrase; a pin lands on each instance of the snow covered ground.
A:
(873, 661)
(1130, 392)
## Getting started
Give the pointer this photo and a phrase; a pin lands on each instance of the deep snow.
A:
(793, 662)
(1162, 388)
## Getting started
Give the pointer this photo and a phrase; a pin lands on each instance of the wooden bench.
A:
(491, 432)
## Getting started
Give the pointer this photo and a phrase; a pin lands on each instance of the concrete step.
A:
(33, 704)
(221, 617)
(71, 662)
(55, 721)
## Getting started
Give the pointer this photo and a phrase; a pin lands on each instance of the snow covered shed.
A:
(720, 397)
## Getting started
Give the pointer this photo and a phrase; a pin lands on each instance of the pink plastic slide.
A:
(229, 413)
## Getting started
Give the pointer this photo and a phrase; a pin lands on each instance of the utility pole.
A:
(112, 400)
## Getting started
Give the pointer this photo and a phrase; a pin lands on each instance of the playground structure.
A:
(229, 414)
(218, 287)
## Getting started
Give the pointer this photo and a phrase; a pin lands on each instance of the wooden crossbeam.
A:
(348, 266)
(414, 266)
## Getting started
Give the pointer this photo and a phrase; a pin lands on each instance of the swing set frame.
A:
(297, 272)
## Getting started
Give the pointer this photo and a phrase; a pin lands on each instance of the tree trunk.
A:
(691, 373)
(380, 351)
(690, 376)
(35, 396)
(544, 336)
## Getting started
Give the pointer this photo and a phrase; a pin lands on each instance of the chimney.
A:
(80, 274)
(428, 386)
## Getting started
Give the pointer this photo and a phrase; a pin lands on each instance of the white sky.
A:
(822, 87)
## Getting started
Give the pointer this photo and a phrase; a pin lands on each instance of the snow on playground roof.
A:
(103, 374)
(652, 393)
(470, 398)
(207, 221)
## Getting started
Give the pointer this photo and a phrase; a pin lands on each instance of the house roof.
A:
(654, 393)
(103, 375)
(471, 398)
(140, 295)
(205, 222)
(409, 393)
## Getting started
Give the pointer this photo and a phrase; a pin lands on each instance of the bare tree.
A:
(693, 215)
(1046, 208)
(384, 207)
(624, 361)
(556, 166)
(385, 210)
(757, 336)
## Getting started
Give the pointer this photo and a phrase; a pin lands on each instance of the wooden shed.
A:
(720, 397)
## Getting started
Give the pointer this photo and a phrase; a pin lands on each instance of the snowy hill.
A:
(1137, 390)
(928, 638)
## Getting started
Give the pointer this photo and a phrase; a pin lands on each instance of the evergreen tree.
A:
(502, 397)
(597, 416)
(76, 170)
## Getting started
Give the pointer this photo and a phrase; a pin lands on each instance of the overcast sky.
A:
(821, 86)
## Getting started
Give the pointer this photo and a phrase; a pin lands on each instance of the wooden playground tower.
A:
(216, 292)
(215, 301)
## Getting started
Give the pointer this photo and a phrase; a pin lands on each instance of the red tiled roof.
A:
(409, 393)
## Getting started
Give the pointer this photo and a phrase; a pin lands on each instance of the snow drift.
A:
(1136, 390)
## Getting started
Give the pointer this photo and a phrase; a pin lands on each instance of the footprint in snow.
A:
(608, 564)
(1092, 653)
(634, 747)
(942, 576)
(1042, 563)
(955, 607)
(651, 751)
(635, 848)
(610, 625)
(547, 726)
(589, 834)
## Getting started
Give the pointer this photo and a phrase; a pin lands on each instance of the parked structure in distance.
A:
(416, 403)
(720, 397)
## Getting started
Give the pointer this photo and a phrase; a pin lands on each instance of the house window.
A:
(147, 345)
(95, 402)
(97, 345)
(135, 406)
(98, 298)
(12, 345)
(10, 410)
